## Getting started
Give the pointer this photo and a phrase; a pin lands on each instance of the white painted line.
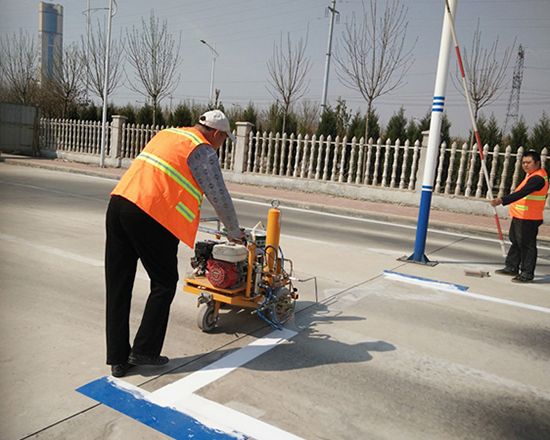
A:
(376, 222)
(213, 414)
(419, 281)
(172, 393)
(438, 286)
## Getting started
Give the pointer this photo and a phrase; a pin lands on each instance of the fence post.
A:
(115, 153)
(241, 148)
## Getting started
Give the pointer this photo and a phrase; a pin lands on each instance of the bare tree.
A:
(287, 70)
(65, 88)
(95, 62)
(373, 60)
(19, 68)
(485, 74)
(154, 55)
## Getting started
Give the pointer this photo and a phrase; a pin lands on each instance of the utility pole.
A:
(333, 12)
(513, 103)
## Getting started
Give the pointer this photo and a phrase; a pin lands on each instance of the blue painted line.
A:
(456, 286)
(428, 187)
(437, 110)
(163, 419)
(442, 98)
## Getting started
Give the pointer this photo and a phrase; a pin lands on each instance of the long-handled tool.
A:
(474, 126)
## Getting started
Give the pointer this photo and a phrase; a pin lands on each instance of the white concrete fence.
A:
(341, 167)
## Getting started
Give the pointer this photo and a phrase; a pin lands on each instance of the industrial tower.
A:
(513, 103)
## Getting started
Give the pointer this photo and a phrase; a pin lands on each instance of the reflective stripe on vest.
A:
(187, 134)
(165, 167)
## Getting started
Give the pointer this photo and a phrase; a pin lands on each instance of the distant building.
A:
(50, 38)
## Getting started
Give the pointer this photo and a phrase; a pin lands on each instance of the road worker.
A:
(526, 209)
(156, 205)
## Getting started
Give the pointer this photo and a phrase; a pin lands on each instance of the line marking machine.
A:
(252, 275)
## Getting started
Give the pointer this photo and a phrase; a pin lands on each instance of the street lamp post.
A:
(214, 55)
(106, 86)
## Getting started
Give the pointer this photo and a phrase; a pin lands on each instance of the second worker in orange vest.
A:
(156, 204)
(526, 209)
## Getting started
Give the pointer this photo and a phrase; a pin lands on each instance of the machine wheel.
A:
(205, 319)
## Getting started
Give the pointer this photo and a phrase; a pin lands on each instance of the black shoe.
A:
(522, 279)
(120, 370)
(143, 359)
(507, 271)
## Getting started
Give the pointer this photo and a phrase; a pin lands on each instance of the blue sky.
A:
(245, 31)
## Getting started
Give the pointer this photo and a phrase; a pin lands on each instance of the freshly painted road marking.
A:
(132, 401)
(176, 411)
(434, 284)
(454, 288)
(220, 368)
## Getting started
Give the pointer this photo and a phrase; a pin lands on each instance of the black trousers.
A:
(522, 255)
(131, 235)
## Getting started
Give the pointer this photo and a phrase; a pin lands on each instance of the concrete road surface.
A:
(391, 350)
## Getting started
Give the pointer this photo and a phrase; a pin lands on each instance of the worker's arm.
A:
(203, 163)
(535, 183)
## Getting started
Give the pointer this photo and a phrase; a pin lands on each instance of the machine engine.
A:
(224, 264)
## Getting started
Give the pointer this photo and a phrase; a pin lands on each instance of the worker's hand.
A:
(496, 202)
(240, 239)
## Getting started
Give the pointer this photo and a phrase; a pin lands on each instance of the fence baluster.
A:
(461, 169)
(276, 153)
(386, 163)
(298, 156)
(376, 172)
(370, 148)
(471, 169)
(305, 151)
(360, 175)
(395, 163)
(351, 163)
(335, 154)
(328, 148)
(270, 153)
(320, 144)
(252, 147)
(288, 161)
(442, 149)
(404, 164)
(504, 176)
(343, 150)
(450, 168)
(517, 167)
(494, 167)
(283, 155)
(414, 166)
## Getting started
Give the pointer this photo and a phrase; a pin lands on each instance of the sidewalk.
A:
(402, 214)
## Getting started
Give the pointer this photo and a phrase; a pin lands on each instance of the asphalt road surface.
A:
(391, 350)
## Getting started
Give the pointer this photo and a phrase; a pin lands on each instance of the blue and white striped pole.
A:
(434, 138)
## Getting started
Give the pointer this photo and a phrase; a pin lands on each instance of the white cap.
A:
(217, 120)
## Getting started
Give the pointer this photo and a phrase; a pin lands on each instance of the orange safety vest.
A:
(160, 182)
(531, 206)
